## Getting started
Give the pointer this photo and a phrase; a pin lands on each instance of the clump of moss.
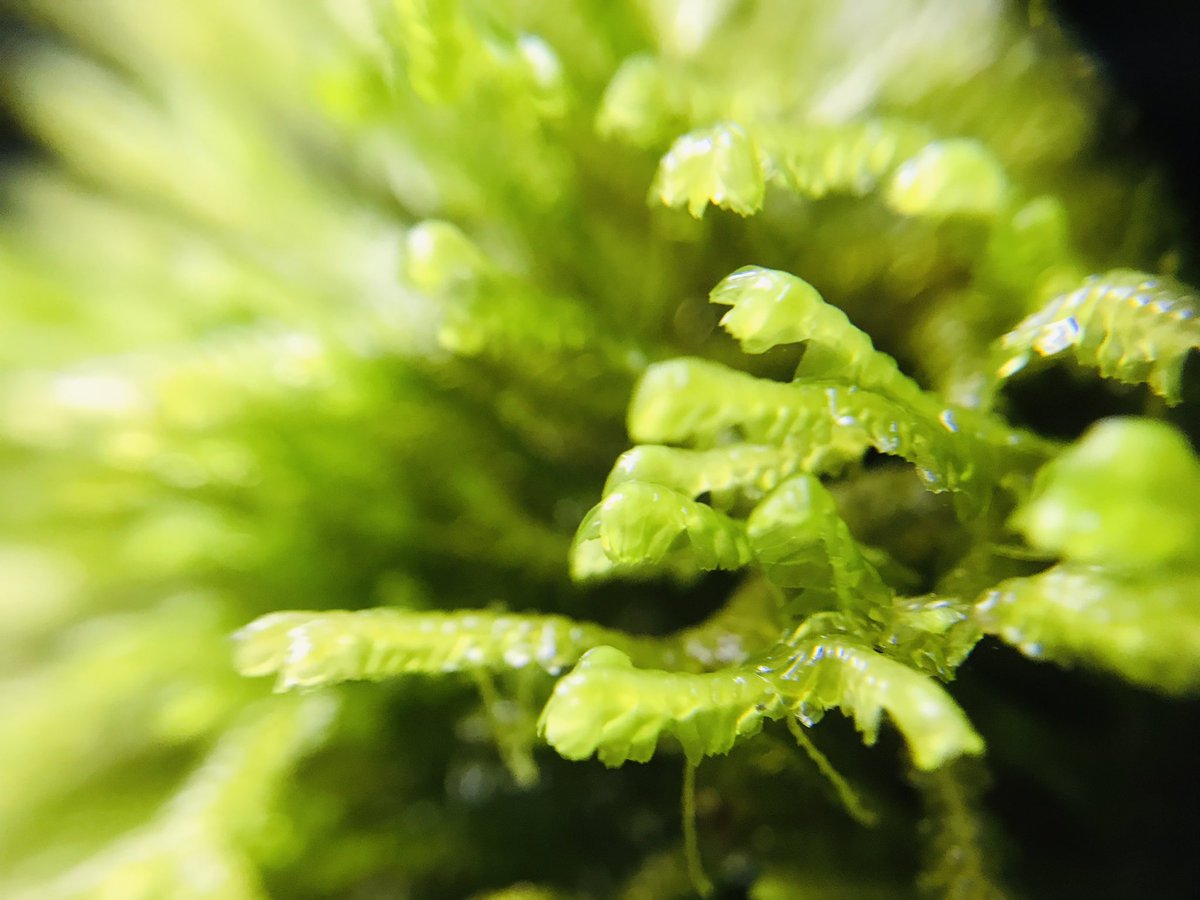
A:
(331, 326)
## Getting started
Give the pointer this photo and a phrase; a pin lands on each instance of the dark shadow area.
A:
(1091, 778)
(1062, 402)
(1150, 54)
(14, 142)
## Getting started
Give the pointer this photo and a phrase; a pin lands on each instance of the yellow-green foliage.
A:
(324, 323)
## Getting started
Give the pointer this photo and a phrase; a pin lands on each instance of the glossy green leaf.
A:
(640, 526)
(305, 649)
(1127, 494)
(719, 165)
(640, 102)
(704, 404)
(818, 674)
(311, 649)
(747, 470)
(770, 308)
(800, 541)
(950, 177)
(850, 158)
(1131, 326)
(608, 708)
(1143, 627)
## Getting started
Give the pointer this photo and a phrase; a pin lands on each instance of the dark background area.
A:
(1150, 55)
(12, 141)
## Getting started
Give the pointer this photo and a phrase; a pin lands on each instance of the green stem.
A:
(515, 748)
(854, 805)
(691, 847)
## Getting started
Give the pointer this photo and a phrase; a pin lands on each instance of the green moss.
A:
(325, 324)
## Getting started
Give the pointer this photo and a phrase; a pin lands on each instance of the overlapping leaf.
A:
(1128, 325)
(609, 708)
(1123, 508)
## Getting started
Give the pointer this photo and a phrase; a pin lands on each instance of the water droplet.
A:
(809, 713)
(1058, 336)
(517, 657)
(1013, 366)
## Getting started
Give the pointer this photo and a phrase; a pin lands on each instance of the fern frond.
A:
(771, 308)
(533, 334)
(705, 404)
(453, 55)
(933, 634)
(493, 315)
(1122, 506)
(197, 385)
(178, 691)
(1131, 326)
(216, 388)
(729, 164)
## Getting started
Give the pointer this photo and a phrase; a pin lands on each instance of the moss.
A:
(326, 324)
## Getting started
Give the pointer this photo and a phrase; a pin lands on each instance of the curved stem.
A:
(691, 847)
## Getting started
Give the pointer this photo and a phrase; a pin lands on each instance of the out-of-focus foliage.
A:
(325, 323)
(1122, 508)
(1129, 325)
